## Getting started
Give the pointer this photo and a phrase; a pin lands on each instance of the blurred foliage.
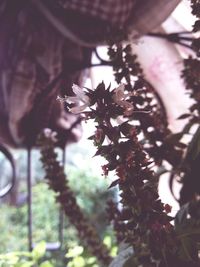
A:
(187, 227)
(92, 194)
(26, 259)
(78, 257)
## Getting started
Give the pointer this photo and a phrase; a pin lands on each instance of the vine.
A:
(58, 182)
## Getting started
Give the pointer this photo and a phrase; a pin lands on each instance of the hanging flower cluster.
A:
(188, 168)
(57, 181)
(195, 4)
(191, 75)
(143, 221)
(133, 136)
(153, 125)
(191, 72)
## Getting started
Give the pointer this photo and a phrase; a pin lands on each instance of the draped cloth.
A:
(91, 20)
(141, 15)
(40, 38)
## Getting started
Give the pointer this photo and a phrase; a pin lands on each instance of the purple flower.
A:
(120, 98)
(81, 100)
(50, 134)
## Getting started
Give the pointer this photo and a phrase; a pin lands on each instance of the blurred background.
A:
(18, 130)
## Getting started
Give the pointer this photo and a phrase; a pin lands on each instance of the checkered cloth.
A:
(115, 12)
(149, 14)
(49, 36)
(141, 15)
(89, 22)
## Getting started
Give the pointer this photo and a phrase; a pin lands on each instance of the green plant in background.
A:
(14, 221)
(58, 182)
(92, 195)
(79, 257)
(26, 259)
(92, 198)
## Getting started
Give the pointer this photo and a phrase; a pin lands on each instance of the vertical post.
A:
(61, 219)
(61, 227)
(29, 199)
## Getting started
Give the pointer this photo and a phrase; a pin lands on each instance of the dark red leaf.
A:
(114, 183)
(184, 116)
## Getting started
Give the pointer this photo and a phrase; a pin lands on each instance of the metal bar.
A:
(61, 227)
(9, 186)
(176, 38)
(61, 219)
(29, 199)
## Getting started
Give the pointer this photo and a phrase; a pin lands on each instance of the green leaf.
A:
(107, 241)
(77, 262)
(9, 258)
(46, 264)
(39, 251)
(27, 264)
(74, 252)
